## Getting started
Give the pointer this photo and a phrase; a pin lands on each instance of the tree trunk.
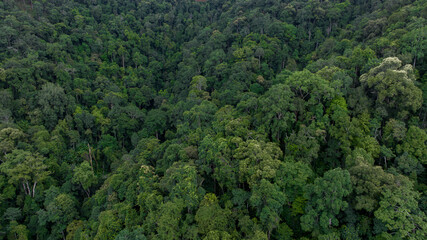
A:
(34, 188)
(25, 188)
(29, 189)
(90, 156)
(87, 192)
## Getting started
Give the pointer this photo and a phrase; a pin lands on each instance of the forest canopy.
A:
(213, 119)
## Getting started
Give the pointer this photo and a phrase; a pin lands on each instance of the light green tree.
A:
(84, 175)
(257, 160)
(210, 217)
(26, 168)
(393, 88)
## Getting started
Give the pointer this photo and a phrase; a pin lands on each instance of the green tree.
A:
(84, 175)
(310, 90)
(53, 103)
(414, 144)
(201, 115)
(18, 231)
(368, 181)
(60, 211)
(393, 88)
(268, 199)
(26, 169)
(210, 217)
(198, 87)
(126, 234)
(155, 123)
(292, 177)
(9, 138)
(169, 219)
(415, 40)
(215, 159)
(276, 111)
(400, 213)
(303, 146)
(109, 225)
(181, 181)
(325, 201)
(257, 160)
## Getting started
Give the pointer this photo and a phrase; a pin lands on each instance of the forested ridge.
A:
(213, 119)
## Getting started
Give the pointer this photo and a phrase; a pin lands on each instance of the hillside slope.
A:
(239, 119)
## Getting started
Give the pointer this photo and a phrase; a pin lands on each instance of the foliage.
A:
(213, 119)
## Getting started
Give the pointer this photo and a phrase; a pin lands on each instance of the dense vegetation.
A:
(216, 119)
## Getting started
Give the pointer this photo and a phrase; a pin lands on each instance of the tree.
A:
(276, 111)
(210, 217)
(283, 232)
(257, 160)
(83, 174)
(303, 146)
(268, 199)
(9, 138)
(123, 54)
(399, 211)
(414, 144)
(359, 58)
(368, 181)
(60, 211)
(126, 234)
(173, 153)
(409, 165)
(341, 120)
(26, 168)
(258, 235)
(394, 132)
(198, 91)
(181, 181)
(259, 53)
(18, 231)
(6, 103)
(215, 159)
(218, 235)
(53, 102)
(169, 219)
(325, 201)
(155, 122)
(415, 40)
(311, 90)
(338, 79)
(393, 88)
(109, 225)
(76, 229)
(201, 115)
(292, 177)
